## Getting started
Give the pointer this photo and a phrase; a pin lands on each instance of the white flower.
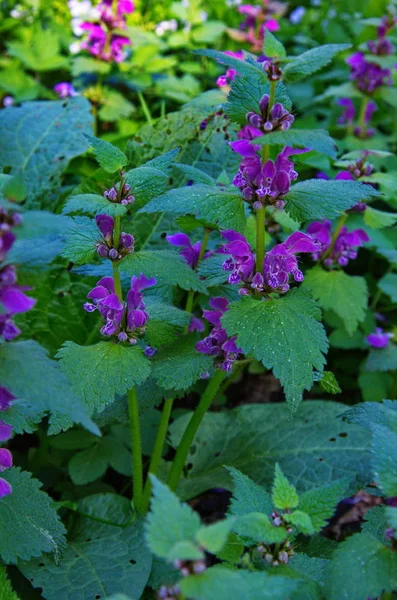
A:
(75, 48)
(203, 15)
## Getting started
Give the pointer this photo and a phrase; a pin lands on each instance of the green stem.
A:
(190, 296)
(260, 238)
(272, 94)
(136, 448)
(145, 108)
(393, 390)
(189, 301)
(338, 229)
(192, 428)
(361, 118)
(158, 449)
(115, 267)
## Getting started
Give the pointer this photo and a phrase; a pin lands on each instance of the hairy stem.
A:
(158, 449)
(136, 448)
(192, 428)
(260, 238)
(338, 229)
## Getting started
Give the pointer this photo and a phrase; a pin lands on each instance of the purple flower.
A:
(265, 120)
(196, 324)
(122, 196)
(368, 75)
(349, 112)
(5, 431)
(379, 339)
(349, 115)
(231, 73)
(150, 351)
(5, 463)
(217, 343)
(105, 247)
(281, 261)
(344, 248)
(190, 252)
(103, 41)
(65, 90)
(242, 261)
(249, 133)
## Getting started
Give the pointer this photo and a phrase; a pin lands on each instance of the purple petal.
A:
(5, 398)
(219, 303)
(178, 239)
(300, 242)
(5, 431)
(5, 459)
(15, 301)
(108, 283)
(344, 176)
(244, 147)
(213, 317)
(5, 488)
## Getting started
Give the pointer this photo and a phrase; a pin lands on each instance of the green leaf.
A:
(40, 385)
(41, 52)
(211, 270)
(311, 61)
(87, 64)
(90, 464)
(28, 523)
(320, 503)
(181, 365)
(272, 47)
(259, 529)
(388, 285)
(221, 207)
(318, 450)
(315, 139)
(114, 106)
(320, 199)
(85, 571)
(221, 583)
(147, 182)
(167, 266)
(379, 575)
(93, 204)
(284, 494)
(245, 94)
(171, 526)
(264, 329)
(213, 537)
(328, 382)
(39, 139)
(368, 414)
(384, 459)
(6, 591)
(248, 497)
(100, 371)
(382, 359)
(81, 241)
(109, 157)
(196, 175)
(346, 295)
(301, 521)
(378, 219)
(248, 67)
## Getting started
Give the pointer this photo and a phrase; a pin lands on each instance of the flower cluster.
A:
(103, 40)
(107, 247)
(279, 263)
(5, 433)
(124, 320)
(342, 250)
(218, 343)
(231, 73)
(120, 196)
(382, 46)
(379, 339)
(257, 20)
(275, 119)
(190, 252)
(65, 90)
(264, 183)
(348, 116)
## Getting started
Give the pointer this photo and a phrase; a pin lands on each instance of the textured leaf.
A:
(301, 521)
(272, 47)
(39, 383)
(39, 139)
(146, 183)
(166, 266)
(348, 582)
(388, 285)
(259, 529)
(41, 52)
(28, 523)
(284, 494)
(181, 365)
(311, 61)
(320, 199)
(81, 241)
(285, 335)
(93, 204)
(249, 66)
(368, 414)
(85, 571)
(347, 296)
(382, 359)
(329, 383)
(6, 591)
(320, 503)
(317, 450)
(211, 270)
(110, 157)
(100, 371)
(315, 139)
(90, 464)
(384, 459)
(378, 219)
(213, 537)
(193, 174)
(248, 497)
(245, 94)
(224, 208)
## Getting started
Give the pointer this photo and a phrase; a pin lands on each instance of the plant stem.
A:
(192, 428)
(189, 301)
(190, 297)
(145, 108)
(260, 238)
(338, 229)
(361, 118)
(115, 268)
(136, 448)
(272, 94)
(158, 449)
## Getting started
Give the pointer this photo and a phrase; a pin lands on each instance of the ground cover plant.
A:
(198, 281)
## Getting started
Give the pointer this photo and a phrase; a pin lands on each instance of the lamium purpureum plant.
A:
(173, 309)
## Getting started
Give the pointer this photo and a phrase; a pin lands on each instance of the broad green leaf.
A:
(310, 574)
(384, 459)
(388, 285)
(114, 106)
(91, 463)
(100, 560)
(320, 199)
(39, 139)
(88, 64)
(219, 206)
(335, 290)
(93, 204)
(317, 450)
(284, 334)
(232, 550)
(284, 494)
(259, 529)
(382, 359)
(328, 382)
(100, 371)
(28, 523)
(164, 161)
(211, 270)
(378, 575)
(311, 61)
(272, 47)
(146, 183)
(181, 365)
(315, 139)
(167, 266)
(48, 390)
(248, 497)
(221, 583)
(248, 67)
(195, 175)
(171, 526)
(213, 537)
(41, 51)
(301, 521)
(6, 591)
(81, 241)
(110, 157)
(368, 414)
(320, 503)
(245, 94)
(378, 219)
